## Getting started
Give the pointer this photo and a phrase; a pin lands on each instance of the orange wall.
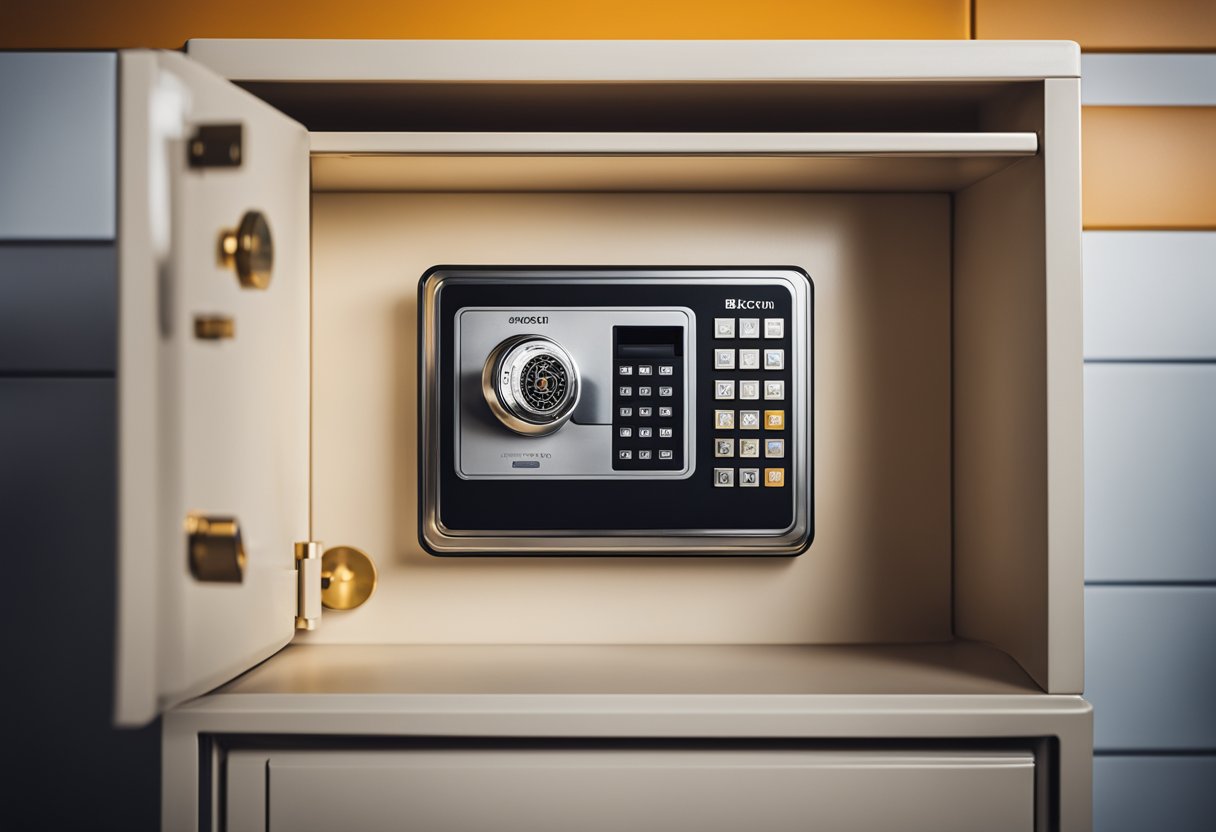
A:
(169, 23)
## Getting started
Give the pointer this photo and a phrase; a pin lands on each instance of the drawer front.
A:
(1150, 668)
(1150, 295)
(58, 308)
(58, 145)
(1150, 472)
(555, 790)
(1132, 794)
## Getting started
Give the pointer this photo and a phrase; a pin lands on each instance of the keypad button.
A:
(626, 369)
(774, 327)
(724, 477)
(724, 419)
(643, 412)
(724, 359)
(749, 390)
(664, 412)
(664, 433)
(665, 369)
(645, 433)
(625, 454)
(749, 327)
(749, 359)
(749, 448)
(724, 327)
(644, 391)
(625, 392)
(724, 390)
(749, 419)
(774, 477)
(664, 454)
(665, 392)
(645, 370)
(774, 359)
(625, 433)
(724, 447)
(749, 477)
(774, 390)
(626, 412)
(774, 419)
(774, 448)
(643, 454)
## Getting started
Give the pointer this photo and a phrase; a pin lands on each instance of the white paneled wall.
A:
(1150, 490)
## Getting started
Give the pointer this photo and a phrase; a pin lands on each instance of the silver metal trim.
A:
(789, 541)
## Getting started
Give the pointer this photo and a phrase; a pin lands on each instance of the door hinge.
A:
(308, 584)
(216, 146)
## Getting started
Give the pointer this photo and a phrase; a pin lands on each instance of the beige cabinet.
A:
(919, 667)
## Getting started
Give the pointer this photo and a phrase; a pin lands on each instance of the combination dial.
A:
(531, 384)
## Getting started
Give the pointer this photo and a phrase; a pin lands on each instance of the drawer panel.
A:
(1150, 668)
(1132, 794)
(1150, 472)
(58, 308)
(58, 145)
(1150, 294)
(556, 790)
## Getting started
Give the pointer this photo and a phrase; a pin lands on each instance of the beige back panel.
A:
(879, 568)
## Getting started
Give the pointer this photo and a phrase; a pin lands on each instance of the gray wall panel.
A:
(1150, 472)
(58, 143)
(1150, 667)
(1150, 294)
(57, 508)
(58, 308)
(1148, 80)
(1134, 794)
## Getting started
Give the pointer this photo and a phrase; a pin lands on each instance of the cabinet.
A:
(927, 648)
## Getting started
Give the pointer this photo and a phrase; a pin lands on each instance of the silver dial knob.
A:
(531, 384)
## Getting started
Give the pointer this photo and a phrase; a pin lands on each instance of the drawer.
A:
(557, 790)
(58, 308)
(1150, 294)
(58, 145)
(1150, 472)
(1132, 794)
(1150, 669)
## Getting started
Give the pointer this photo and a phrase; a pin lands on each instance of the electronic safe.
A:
(644, 411)
(374, 302)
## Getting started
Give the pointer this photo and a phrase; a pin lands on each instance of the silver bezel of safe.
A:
(615, 411)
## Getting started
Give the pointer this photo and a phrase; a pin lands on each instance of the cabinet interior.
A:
(930, 458)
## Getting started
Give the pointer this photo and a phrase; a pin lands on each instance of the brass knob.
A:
(215, 550)
(248, 250)
(348, 578)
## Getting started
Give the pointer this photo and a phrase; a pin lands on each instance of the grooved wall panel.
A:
(1103, 25)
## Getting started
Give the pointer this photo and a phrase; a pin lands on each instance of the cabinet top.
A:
(634, 61)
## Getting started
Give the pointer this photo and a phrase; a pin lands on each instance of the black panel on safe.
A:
(615, 411)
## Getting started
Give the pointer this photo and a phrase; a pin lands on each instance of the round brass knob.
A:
(348, 578)
(248, 250)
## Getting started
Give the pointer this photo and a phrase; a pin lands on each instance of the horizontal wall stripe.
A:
(1148, 80)
(1148, 167)
(1103, 25)
(1149, 295)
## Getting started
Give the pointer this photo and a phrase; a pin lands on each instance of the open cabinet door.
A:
(213, 379)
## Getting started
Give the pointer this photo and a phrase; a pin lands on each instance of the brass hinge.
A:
(308, 584)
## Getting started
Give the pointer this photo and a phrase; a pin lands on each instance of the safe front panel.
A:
(623, 410)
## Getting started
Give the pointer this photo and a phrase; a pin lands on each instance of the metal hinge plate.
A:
(308, 584)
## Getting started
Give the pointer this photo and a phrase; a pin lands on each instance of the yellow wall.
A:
(169, 23)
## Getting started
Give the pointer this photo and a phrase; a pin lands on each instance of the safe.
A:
(437, 424)
(643, 411)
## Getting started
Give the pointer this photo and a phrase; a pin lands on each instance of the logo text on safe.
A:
(743, 303)
(528, 319)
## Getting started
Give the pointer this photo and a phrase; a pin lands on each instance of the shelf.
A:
(953, 668)
(780, 162)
